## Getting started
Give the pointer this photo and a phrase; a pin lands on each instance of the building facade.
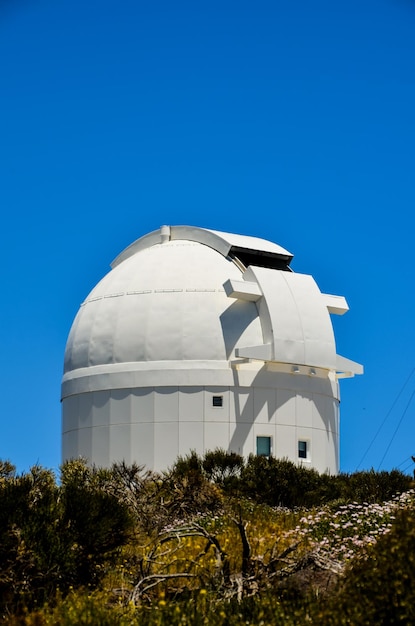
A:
(198, 339)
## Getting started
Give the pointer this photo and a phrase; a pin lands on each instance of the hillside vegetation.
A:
(217, 540)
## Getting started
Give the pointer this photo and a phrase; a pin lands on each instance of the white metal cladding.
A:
(181, 318)
(154, 425)
(296, 322)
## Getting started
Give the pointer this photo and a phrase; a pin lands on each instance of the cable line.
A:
(406, 468)
(396, 429)
(386, 417)
(404, 461)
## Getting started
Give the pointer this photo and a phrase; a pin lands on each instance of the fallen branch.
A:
(152, 581)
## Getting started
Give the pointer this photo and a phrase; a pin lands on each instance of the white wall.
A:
(152, 426)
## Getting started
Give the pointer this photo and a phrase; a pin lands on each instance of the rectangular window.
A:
(217, 400)
(302, 449)
(263, 446)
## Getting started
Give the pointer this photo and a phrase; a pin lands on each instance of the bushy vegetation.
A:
(215, 540)
(56, 537)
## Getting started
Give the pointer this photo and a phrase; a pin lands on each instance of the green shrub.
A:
(381, 589)
(223, 468)
(186, 489)
(30, 542)
(278, 482)
(372, 486)
(113, 528)
(94, 523)
(55, 536)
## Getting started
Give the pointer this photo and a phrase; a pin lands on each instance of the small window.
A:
(263, 446)
(217, 400)
(302, 449)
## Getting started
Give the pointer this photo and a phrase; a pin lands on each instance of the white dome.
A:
(164, 303)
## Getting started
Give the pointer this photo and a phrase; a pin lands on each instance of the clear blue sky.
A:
(291, 120)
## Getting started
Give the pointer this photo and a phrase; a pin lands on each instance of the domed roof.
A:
(163, 302)
(185, 301)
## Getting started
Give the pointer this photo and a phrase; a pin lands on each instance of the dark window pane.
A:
(217, 401)
(263, 446)
(302, 449)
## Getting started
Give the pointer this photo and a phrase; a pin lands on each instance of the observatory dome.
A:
(198, 339)
(164, 303)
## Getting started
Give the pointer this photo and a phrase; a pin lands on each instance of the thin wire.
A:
(406, 468)
(396, 429)
(404, 461)
(385, 418)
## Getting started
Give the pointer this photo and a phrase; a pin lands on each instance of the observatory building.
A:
(198, 339)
